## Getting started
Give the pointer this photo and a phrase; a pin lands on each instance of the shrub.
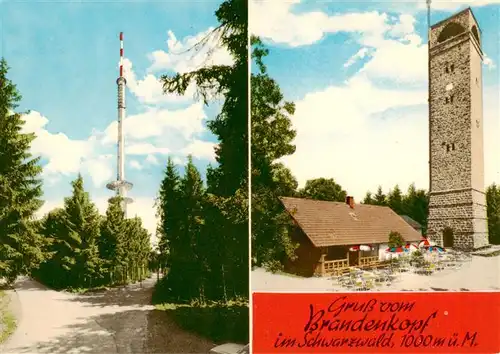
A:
(395, 239)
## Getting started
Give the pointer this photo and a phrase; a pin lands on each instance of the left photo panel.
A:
(124, 209)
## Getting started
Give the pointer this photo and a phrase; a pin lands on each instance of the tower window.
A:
(451, 99)
(446, 69)
(448, 147)
(452, 67)
(447, 100)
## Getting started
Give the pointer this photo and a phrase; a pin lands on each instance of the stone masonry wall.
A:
(459, 211)
(450, 122)
(453, 202)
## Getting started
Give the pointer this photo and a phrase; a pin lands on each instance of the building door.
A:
(353, 258)
(448, 238)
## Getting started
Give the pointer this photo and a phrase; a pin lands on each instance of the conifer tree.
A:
(111, 242)
(138, 248)
(493, 213)
(168, 211)
(380, 198)
(20, 188)
(227, 182)
(83, 230)
(189, 256)
(55, 270)
(368, 198)
(395, 200)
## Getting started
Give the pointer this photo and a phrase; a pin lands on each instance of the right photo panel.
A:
(375, 153)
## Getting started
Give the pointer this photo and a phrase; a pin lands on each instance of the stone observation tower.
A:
(457, 206)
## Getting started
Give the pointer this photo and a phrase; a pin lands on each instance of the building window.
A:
(453, 146)
(451, 99)
(452, 67)
(446, 69)
(447, 100)
(447, 147)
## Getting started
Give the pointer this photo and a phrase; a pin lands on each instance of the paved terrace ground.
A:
(116, 321)
(480, 274)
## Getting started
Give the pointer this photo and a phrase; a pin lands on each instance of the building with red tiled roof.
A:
(333, 235)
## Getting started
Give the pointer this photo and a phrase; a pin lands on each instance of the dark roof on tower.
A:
(333, 223)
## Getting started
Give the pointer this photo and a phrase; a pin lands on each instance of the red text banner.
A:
(404, 322)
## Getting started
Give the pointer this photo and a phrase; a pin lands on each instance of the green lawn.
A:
(7, 320)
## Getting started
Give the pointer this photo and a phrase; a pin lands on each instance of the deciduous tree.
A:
(323, 189)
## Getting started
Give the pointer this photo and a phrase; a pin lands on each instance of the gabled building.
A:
(335, 235)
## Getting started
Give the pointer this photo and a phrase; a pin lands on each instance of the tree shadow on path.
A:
(138, 294)
(24, 283)
(134, 331)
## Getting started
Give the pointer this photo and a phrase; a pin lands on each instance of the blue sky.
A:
(358, 75)
(64, 59)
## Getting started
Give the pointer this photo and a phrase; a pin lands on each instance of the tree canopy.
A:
(204, 229)
(20, 188)
(323, 189)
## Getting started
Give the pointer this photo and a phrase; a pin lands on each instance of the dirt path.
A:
(116, 321)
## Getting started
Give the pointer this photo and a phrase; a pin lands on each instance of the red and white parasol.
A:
(411, 247)
(424, 243)
(360, 248)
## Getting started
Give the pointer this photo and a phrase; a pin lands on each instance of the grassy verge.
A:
(221, 323)
(7, 320)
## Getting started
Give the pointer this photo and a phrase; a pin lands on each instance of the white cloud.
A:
(406, 25)
(145, 149)
(488, 62)
(183, 55)
(65, 156)
(156, 122)
(385, 145)
(200, 149)
(397, 52)
(180, 161)
(152, 160)
(100, 169)
(136, 165)
(453, 5)
(159, 129)
(368, 127)
(360, 54)
(180, 56)
(145, 133)
(399, 61)
(149, 90)
(306, 28)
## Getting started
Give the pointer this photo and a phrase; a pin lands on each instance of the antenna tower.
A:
(120, 185)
